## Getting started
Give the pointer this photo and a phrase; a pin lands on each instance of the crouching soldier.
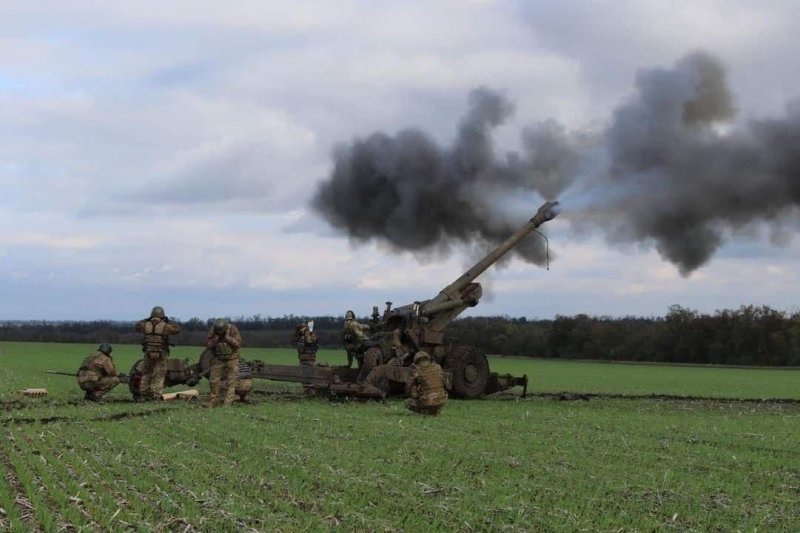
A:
(427, 394)
(97, 374)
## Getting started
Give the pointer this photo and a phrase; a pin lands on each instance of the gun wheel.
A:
(470, 371)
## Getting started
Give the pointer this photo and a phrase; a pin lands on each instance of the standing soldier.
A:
(354, 335)
(224, 342)
(427, 394)
(97, 374)
(155, 346)
(306, 342)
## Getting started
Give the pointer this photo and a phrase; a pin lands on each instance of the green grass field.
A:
(288, 463)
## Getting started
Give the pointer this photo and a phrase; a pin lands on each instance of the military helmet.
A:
(421, 356)
(105, 348)
(220, 325)
(349, 315)
(157, 312)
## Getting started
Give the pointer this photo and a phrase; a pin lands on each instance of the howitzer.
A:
(401, 332)
(419, 326)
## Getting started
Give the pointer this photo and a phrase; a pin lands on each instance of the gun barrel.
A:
(60, 373)
(547, 211)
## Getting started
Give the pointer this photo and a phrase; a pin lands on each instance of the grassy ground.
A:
(503, 464)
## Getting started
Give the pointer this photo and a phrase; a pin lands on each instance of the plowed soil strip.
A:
(22, 502)
(104, 418)
(573, 396)
(16, 405)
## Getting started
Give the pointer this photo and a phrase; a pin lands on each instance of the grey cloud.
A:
(416, 195)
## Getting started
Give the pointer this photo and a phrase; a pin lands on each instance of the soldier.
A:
(427, 394)
(97, 374)
(224, 341)
(306, 342)
(354, 335)
(155, 347)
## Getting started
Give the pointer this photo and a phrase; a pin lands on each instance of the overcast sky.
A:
(166, 153)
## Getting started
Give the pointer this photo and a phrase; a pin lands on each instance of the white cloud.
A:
(147, 144)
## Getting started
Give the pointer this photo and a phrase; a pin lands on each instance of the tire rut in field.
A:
(17, 405)
(586, 396)
(24, 505)
(103, 418)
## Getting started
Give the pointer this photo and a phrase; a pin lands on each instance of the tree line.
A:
(750, 335)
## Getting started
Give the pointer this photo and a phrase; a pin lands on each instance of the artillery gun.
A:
(403, 331)
(420, 326)
(395, 338)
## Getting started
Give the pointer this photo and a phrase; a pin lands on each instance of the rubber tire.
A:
(470, 371)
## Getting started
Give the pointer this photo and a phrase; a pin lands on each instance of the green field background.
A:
(24, 365)
(287, 463)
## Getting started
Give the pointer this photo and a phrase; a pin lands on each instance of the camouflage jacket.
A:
(427, 384)
(225, 346)
(96, 366)
(156, 334)
(354, 334)
(306, 343)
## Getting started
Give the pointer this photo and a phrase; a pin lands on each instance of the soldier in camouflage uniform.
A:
(306, 342)
(354, 335)
(427, 394)
(224, 341)
(155, 347)
(97, 374)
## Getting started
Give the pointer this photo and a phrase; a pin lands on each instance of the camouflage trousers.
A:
(223, 377)
(154, 370)
(97, 388)
(415, 405)
(307, 359)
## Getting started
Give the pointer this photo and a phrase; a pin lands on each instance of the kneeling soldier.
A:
(427, 394)
(97, 374)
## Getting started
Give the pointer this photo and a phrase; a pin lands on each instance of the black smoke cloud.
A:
(672, 169)
(416, 195)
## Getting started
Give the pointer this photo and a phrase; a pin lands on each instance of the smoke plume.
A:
(671, 169)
